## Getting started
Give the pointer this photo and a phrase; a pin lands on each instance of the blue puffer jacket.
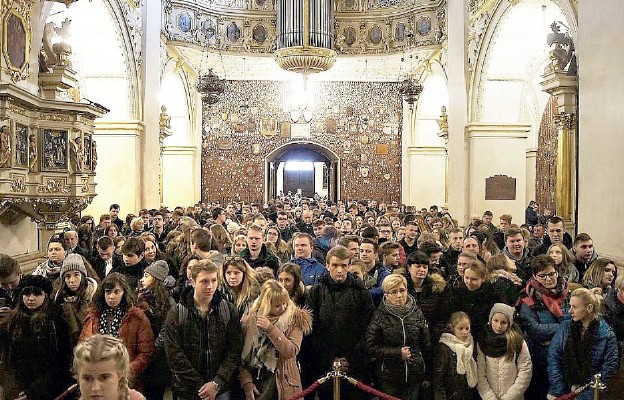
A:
(311, 270)
(604, 357)
(540, 325)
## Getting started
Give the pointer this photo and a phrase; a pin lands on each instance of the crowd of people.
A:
(256, 302)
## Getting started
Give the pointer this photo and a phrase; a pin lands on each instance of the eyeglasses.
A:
(397, 291)
(550, 275)
(233, 258)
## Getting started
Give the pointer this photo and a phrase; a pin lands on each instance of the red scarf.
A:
(552, 298)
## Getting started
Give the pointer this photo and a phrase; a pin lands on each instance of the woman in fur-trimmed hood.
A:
(273, 330)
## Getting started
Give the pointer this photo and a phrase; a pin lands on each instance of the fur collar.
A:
(294, 316)
(438, 284)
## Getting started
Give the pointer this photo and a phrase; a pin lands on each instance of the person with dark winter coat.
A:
(430, 292)
(476, 297)
(156, 301)
(454, 362)
(202, 338)
(134, 263)
(542, 306)
(614, 315)
(342, 309)
(74, 295)
(34, 349)
(399, 343)
(256, 252)
(581, 348)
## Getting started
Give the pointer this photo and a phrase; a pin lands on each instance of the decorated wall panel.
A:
(359, 122)
(361, 27)
(546, 164)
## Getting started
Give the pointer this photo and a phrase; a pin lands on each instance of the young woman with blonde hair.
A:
(582, 347)
(273, 330)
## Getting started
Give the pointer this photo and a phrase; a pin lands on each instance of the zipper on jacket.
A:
(404, 343)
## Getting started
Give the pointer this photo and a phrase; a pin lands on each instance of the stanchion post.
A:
(337, 366)
(598, 385)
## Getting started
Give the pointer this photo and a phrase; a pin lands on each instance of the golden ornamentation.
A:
(18, 184)
(55, 117)
(54, 186)
(305, 60)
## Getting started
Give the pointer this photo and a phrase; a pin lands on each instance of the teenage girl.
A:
(454, 364)
(503, 362)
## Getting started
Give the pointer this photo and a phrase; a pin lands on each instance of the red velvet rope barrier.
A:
(375, 392)
(568, 396)
(66, 393)
(307, 391)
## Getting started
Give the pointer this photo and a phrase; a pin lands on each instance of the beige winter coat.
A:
(502, 379)
(286, 335)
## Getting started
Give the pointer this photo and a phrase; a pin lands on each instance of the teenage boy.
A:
(133, 251)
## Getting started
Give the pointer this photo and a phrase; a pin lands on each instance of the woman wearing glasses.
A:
(239, 285)
(398, 340)
(543, 305)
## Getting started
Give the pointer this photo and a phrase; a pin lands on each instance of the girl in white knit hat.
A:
(503, 361)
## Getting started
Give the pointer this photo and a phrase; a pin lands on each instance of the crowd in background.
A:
(257, 301)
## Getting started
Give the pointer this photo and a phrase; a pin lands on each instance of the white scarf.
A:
(466, 364)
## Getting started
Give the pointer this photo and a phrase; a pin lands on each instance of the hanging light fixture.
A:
(410, 90)
(305, 41)
(209, 85)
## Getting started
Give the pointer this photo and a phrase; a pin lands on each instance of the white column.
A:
(601, 125)
(149, 151)
(458, 111)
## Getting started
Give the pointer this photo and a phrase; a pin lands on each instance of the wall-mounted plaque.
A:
(381, 149)
(300, 131)
(233, 32)
(330, 125)
(268, 127)
(500, 187)
(224, 144)
(285, 129)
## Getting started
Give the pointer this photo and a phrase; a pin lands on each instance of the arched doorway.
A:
(304, 166)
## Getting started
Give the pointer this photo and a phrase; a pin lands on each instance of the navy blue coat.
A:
(604, 356)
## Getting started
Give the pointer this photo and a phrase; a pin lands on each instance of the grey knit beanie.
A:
(158, 269)
(73, 262)
(502, 308)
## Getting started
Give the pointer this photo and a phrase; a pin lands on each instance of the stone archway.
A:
(312, 152)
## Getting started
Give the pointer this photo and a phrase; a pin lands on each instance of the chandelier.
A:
(410, 90)
(305, 39)
(210, 87)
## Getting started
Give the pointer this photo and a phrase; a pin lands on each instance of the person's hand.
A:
(4, 311)
(406, 353)
(263, 322)
(250, 391)
(21, 396)
(208, 391)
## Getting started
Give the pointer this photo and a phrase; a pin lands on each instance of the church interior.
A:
(471, 105)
